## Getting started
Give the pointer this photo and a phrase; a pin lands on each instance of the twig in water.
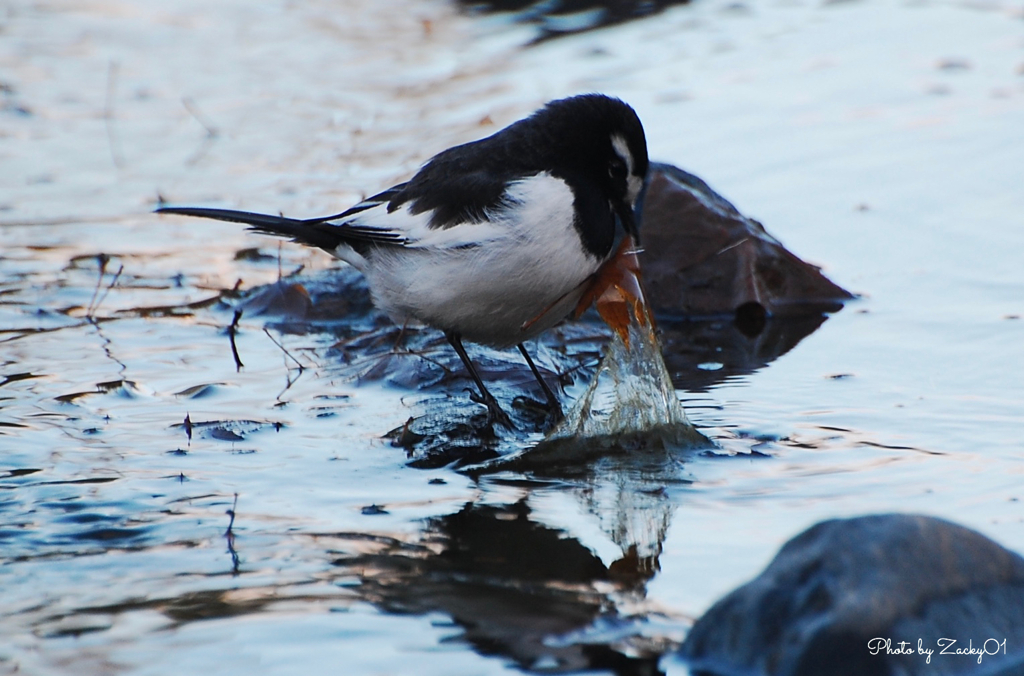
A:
(231, 512)
(286, 352)
(94, 302)
(108, 116)
(231, 335)
(212, 134)
(193, 110)
(288, 378)
(229, 534)
(117, 276)
(102, 259)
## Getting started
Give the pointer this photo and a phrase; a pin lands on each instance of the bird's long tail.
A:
(312, 232)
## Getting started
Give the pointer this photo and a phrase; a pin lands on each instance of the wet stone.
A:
(730, 264)
(841, 597)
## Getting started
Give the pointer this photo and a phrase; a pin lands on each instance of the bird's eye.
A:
(617, 169)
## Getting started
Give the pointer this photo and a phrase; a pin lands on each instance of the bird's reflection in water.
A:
(533, 593)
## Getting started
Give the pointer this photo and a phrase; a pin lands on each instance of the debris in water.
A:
(229, 535)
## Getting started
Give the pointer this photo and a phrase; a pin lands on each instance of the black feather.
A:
(316, 232)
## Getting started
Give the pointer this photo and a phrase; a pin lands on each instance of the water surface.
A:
(879, 140)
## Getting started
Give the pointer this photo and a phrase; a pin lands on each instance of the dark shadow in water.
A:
(703, 354)
(555, 18)
(508, 581)
(513, 586)
(532, 593)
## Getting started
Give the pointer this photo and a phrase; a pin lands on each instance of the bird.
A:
(492, 241)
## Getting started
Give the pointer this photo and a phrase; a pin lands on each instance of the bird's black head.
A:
(601, 139)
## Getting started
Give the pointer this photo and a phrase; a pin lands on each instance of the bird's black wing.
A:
(465, 184)
(461, 186)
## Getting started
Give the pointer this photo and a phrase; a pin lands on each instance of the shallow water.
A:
(880, 140)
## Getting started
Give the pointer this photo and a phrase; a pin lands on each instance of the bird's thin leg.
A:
(493, 409)
(553, 406)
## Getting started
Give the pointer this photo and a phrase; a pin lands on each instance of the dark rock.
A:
(847, 588)
(702, 257)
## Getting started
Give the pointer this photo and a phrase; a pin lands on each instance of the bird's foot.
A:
(543, 415)
(495, 414)
(554, 409)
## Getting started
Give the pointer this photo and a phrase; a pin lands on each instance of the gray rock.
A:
(847, 588)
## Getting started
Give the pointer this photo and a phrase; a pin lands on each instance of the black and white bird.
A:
(492, 241)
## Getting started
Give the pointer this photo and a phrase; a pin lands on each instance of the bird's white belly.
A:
(523, 278)
(497, 298)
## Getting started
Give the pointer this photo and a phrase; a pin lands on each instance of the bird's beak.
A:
(628, 219)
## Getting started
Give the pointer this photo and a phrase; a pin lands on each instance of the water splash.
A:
(630, 403)
(631, 394)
